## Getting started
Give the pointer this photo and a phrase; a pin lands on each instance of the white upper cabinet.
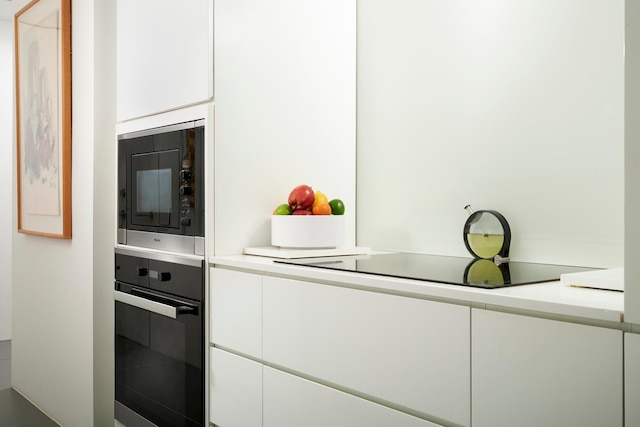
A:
(164, 55)
(537, 372)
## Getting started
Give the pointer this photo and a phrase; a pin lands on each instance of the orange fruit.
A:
(322, 209)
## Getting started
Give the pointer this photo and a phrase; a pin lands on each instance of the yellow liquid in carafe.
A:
(485, 245)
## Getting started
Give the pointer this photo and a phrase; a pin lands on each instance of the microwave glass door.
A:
(155, 183)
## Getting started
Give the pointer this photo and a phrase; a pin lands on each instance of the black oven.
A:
(159, 340)
(161, 188)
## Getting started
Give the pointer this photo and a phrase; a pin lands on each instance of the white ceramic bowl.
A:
(307, 231)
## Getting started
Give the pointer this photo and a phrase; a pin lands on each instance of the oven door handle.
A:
(153, 306)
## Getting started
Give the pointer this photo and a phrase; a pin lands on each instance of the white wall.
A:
(57, 281)
(285, 111)
(104, 200)
(512, 105)
(632, 160)
(6, 171)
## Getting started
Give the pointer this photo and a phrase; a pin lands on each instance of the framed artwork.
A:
(43, 115)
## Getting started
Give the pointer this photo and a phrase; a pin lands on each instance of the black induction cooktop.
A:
(480, 273)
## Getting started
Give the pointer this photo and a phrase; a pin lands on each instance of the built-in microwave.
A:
(161, 188)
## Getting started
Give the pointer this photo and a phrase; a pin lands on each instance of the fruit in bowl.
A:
(309, 220)
(282, 209)
(303, 200)
(301, 197)
(337, 207)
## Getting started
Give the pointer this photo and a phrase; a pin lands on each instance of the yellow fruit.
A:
(320, 198)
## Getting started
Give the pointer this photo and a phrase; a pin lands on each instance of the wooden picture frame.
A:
(43, 117)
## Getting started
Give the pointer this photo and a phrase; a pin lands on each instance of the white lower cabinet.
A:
(536, 372)
(236, 311)
(236, 390)
(410, 352)
(291, 401)
(632, 380)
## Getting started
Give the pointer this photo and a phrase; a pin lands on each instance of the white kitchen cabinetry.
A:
(236, 390)
(410, 352)
(164, 55)
(537, 372)
(236, 311)
(291, 401)
(632, 380)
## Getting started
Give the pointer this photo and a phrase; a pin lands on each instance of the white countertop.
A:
(551, 298)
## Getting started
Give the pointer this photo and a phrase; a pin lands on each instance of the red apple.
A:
(302, 212)
(301, 197)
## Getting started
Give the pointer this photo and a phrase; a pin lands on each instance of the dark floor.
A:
(15, 410)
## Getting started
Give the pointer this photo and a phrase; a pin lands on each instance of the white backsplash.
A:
(515, 106)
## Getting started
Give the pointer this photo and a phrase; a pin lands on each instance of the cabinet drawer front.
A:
(291, 401)
(236, 311)
(236, 391)
(411, 352)
(538, 372)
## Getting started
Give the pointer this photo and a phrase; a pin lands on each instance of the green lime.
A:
(337, 207)
(283, 209)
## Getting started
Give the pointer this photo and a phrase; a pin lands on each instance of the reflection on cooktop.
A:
(479, 273)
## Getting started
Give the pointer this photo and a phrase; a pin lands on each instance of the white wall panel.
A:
(6, 172)
(509, 105)
(285, 111)
(53, 293)
(632, 160)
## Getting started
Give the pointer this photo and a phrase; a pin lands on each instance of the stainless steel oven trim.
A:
(154, 131)
(130, 418)
(163, 241)
(146, 304)
(193, 261)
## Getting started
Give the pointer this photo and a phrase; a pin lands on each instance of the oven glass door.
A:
(159, 358)
(155, 183)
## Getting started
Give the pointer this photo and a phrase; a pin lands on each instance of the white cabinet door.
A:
(236, 391)
(536, 372)
(408, 351)
(632, 380)
(164, 55)
(236, 311)
(291, 401)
